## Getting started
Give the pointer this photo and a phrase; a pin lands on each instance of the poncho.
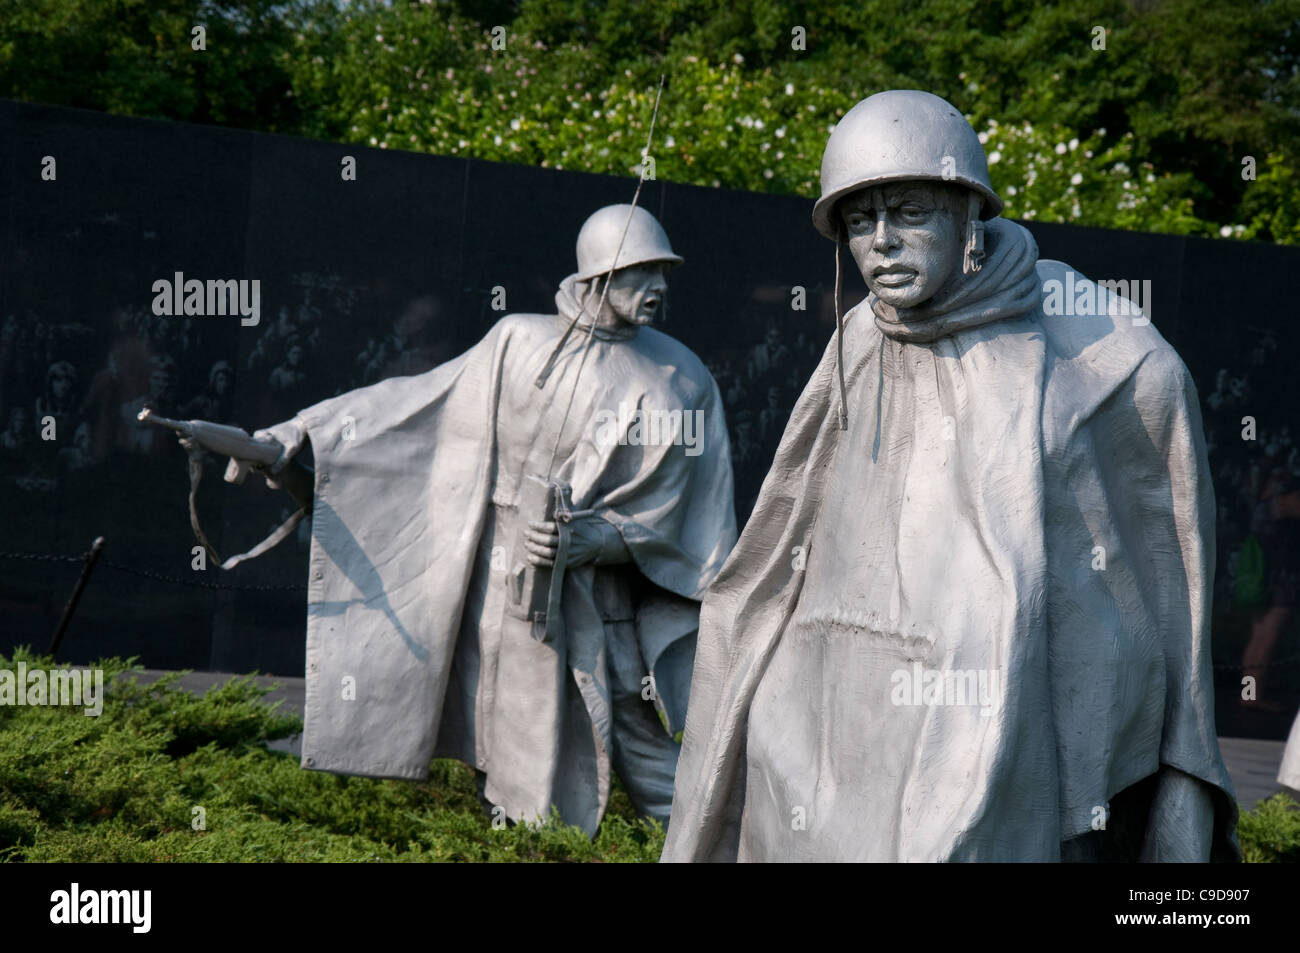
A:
(957, 629)
(417, 478)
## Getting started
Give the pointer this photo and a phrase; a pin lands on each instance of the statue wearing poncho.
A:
(417, 487)
(998, 647)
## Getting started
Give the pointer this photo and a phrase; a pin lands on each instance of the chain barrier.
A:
(150, 574)
(45, 557)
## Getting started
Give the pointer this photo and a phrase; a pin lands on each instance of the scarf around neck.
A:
(570, 300)
(1006, 286)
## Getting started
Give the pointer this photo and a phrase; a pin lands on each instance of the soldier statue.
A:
(969, 617)
(508, 551)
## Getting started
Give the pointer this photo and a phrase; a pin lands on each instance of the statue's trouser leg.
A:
(1120, 839)
(1167, 817)
(1180, 828)
(480, 780)
(645, 756)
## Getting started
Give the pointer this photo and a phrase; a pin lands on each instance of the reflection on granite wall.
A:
(396, 272)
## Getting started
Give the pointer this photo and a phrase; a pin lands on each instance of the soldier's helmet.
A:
(898, 135)
(600, 235)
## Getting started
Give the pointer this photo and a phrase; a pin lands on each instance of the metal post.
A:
(91, 558)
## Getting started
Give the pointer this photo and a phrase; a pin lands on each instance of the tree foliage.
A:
(137, 57)
(1165, 98)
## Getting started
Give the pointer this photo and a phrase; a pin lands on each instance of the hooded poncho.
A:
(955, 630)
(415, 514)
(1289, 771)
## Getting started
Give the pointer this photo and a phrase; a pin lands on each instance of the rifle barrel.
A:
(149, 416)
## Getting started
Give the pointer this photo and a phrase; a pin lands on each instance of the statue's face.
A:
(906, 239)
(638, 294)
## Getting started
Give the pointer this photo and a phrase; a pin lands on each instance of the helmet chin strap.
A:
(839, 341)
(974, 257)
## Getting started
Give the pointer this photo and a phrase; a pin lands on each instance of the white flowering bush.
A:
(1047, 173)
(440, 87)
(754, 87)
(718, 124)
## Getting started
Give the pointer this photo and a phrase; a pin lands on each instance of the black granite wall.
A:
(394, 273)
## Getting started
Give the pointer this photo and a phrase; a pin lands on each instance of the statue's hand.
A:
(542, 540)
(591, 539)
(295, 479)
(192, 447)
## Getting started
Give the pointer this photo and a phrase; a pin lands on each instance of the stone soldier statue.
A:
(508, 551)
(1289, 771)
(969, 617)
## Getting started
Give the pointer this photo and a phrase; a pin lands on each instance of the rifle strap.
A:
(280, 532)
(554, 608)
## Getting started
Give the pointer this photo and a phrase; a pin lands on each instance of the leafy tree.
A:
(136, 57)
(1271, 208)
(1165, 96)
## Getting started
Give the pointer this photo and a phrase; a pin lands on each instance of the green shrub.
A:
(125, 787)
(1271, 832)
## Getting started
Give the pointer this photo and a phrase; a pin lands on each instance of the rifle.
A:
(246, 453)
(534, 591)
